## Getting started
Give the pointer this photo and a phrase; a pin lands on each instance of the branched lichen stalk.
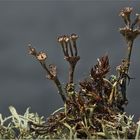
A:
(69, 48)
(56, 81)
(129, 33)
(52, 74)
(96, 110)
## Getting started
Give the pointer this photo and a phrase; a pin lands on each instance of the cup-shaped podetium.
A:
(126, 11)
(60, 39)
(129, 34)
(74, 36)
(41, 56)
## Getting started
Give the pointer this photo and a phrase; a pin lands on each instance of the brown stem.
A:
(71, 72)
(45, 67)
(63, 48)
(129, 52)
(124, 76)
(56, 81)
(66, 48)
(59, 86)
(74, 45)
(70, 48)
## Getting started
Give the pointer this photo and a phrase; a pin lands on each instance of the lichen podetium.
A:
(96, 110)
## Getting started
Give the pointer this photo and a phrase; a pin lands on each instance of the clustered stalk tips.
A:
(69, 48)
(129, 31)
(125, 14)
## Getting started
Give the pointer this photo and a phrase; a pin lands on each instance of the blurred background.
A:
(23, 82)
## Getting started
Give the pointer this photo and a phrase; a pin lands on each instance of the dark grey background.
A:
(22, 80)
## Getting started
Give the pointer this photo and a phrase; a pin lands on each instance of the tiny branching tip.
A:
(31, 50)
(74, 36)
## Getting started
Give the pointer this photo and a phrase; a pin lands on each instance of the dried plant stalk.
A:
(52, 73)
(69, 48)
